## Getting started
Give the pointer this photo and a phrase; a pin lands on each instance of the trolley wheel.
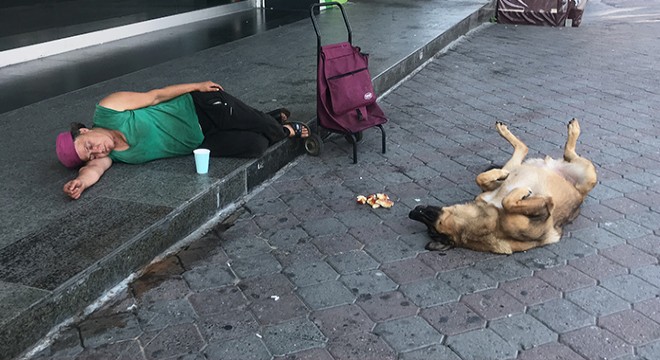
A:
(356, 136)
(313, 144)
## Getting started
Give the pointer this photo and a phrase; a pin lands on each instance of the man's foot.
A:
(281, 114)
(297, 130)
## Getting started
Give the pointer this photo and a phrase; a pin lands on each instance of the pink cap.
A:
(66, 151)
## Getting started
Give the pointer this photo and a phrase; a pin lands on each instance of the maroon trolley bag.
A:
(345, 96)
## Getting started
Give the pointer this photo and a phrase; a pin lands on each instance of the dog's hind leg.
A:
(587, 172)
(519, 148)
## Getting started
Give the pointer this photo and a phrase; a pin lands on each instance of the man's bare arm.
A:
(88, 175)
(127, 100)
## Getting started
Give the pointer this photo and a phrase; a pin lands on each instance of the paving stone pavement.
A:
(303, 272)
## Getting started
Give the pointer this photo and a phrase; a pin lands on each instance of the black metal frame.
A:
(352, 138)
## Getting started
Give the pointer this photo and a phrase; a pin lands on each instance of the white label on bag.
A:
(368, 96)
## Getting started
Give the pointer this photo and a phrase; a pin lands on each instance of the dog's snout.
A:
(426, 214)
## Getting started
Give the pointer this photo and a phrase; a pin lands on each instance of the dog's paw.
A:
(573, 127)
(501, 128)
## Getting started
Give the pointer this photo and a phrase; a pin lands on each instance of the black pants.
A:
(234, 129)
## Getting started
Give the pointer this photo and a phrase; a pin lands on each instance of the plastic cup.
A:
(202, 160)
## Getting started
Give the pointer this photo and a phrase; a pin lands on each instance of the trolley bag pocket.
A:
(350, 91)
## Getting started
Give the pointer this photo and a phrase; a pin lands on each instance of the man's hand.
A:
(88, 175)
(74, 188)
(209, 86)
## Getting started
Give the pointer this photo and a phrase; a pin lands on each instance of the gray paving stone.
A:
(292, 336)
(429, 292)
(406, 271)
(538, 258)
(217, 300)
(416, 241)
(359, 216)
(223, 326)
(597, 300)
(631, 326)
(265, 286)
(368, 235)
(324, 226)
(391, 250)
(550, 351)
(630, 288)
(569, 250)
(246, 247)
(433, 352)
(209, 276)
(626, 229)
(327, 294)
(361, 346)
(453, 318)
(175, 340)
(523, 331)
(368, 283)
(649, 273)
(561, 315)
(166, 289)
(288, 239)
(277, 308)
(257, 265)
(597, 237)
(311, 354)
(530, 290)
(650, 308)
(307, 252)
(598, 267)
(247, 348)
(467, 280)
(161, 314)
(600, 213)
(453, 259)
(95, 332)
(595, 343)
(493, 304)
(122, 350)
(503, 269)
(649, 351)
(629, 256)
(408, 333)
(352, 262)
(481, 344)
(387, 306)
(342, 320)
(565, 278)
(648, 244)
(333, 244)
(310, 273)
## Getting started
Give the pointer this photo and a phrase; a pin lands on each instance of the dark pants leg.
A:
(234, 128)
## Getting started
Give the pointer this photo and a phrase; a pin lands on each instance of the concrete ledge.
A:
(140, 211)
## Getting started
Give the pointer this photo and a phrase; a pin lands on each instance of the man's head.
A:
(80, 144)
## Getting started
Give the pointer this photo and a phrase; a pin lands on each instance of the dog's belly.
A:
(542, 181)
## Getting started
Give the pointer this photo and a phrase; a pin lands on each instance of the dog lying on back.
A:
(523, 205)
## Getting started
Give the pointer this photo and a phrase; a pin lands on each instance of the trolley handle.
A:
(316, 25)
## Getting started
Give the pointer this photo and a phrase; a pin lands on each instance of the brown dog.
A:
(522, 206)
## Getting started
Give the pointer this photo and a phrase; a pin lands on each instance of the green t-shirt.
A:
(168, 129)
